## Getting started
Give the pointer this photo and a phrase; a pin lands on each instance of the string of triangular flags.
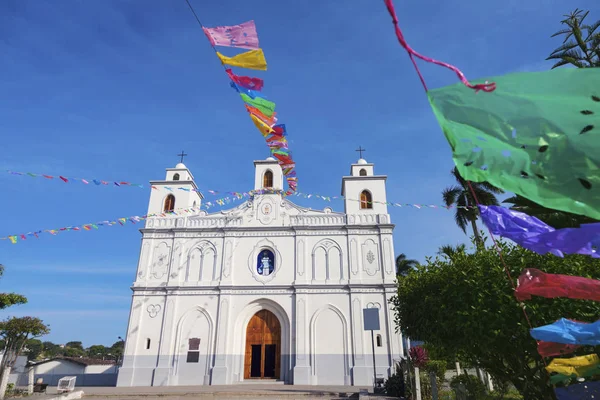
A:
(232, 195)
(261, 111)
(187, 211)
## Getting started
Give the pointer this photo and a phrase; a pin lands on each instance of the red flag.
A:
(48, 176)
(245, 81)
(64, 179)
(534, 282)
(259, 114)
(551, 349)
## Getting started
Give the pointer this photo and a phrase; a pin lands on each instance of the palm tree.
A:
(584, 50)
(405, 265)
(555, 218)
(450, 251)
(460, 196)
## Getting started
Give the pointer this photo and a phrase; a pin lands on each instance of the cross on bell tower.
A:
(182, 155)
(360, 151)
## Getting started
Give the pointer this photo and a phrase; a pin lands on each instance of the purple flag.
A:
(242, 35)
(540, 237)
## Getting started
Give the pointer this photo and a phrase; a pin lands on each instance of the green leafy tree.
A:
(74, 345)
(16, 332)
(451, 251)
(35, 348)
(10, 299)
(97, 351)
(51, 350)
(460, 196)
(404, 265)
(466, 306)
(581, 44)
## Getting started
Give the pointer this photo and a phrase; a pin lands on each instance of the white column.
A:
(219, 371)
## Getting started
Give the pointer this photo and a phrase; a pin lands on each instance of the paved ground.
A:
(245, 392)
(242, 392)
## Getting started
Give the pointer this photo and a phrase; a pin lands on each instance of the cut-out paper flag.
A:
(536, 135)
(569, 332)
(243, 35)
(272, 120)
(575, 366)
(264, 106)
(579, 391)
(535, 235)
(534, 282)
(263, 128)
(550, 349)
(245, 81)
(253, 59)
(249, 92)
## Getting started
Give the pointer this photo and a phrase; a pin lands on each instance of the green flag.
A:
(537, 135)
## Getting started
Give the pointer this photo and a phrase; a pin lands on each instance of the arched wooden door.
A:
(263, 347)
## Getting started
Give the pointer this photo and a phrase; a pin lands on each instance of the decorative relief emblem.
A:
(161, 263)
(267, 212)
(370, 257)
(153, 310)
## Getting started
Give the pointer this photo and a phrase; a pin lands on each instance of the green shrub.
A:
(438, 367)
(474, 387)
(395, 385)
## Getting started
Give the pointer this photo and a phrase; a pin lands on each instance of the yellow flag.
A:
(253, 59)
(263, 128)
(578, 366)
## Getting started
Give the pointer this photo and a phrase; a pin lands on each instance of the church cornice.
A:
(268, 289)
(175, 183)
(260, 231)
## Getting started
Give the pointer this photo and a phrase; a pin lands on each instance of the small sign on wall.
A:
(371, 319)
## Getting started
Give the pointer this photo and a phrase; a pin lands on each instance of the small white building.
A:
(266, 290)
(89, 372)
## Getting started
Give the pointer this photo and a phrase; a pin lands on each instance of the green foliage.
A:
(74, 345)
(16, 332)
(97, 351)
(11, 299)
(404, 265)
(51, 350)
(466, 306)
(581, 44)
(395, 386)
(438, 367)
(34, 347)
(475, 389)
(460, 196)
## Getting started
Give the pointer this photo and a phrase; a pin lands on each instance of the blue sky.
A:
(115, 89)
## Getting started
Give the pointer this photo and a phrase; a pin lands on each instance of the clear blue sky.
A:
(115, 89)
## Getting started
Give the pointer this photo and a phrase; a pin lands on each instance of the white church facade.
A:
(265, 291)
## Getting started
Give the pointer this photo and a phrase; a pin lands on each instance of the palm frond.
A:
(461, 216)
(451, 194)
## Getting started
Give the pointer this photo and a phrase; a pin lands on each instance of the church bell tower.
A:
(363, 191)
(177, 191)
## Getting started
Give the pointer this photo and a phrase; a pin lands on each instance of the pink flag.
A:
(242, 35)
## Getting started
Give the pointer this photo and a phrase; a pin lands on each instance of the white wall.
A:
(197, 278)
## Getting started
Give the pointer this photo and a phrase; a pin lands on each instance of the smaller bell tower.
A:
(363, 191)
(268, 174)
(178, 191)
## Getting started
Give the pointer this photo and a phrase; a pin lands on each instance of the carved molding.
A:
(300, 257)
(370, 257)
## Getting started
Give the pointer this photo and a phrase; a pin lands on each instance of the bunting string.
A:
(231, 194)
(260, 110)
(191, 210)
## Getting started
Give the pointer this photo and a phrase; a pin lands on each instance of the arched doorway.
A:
(263, 347)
